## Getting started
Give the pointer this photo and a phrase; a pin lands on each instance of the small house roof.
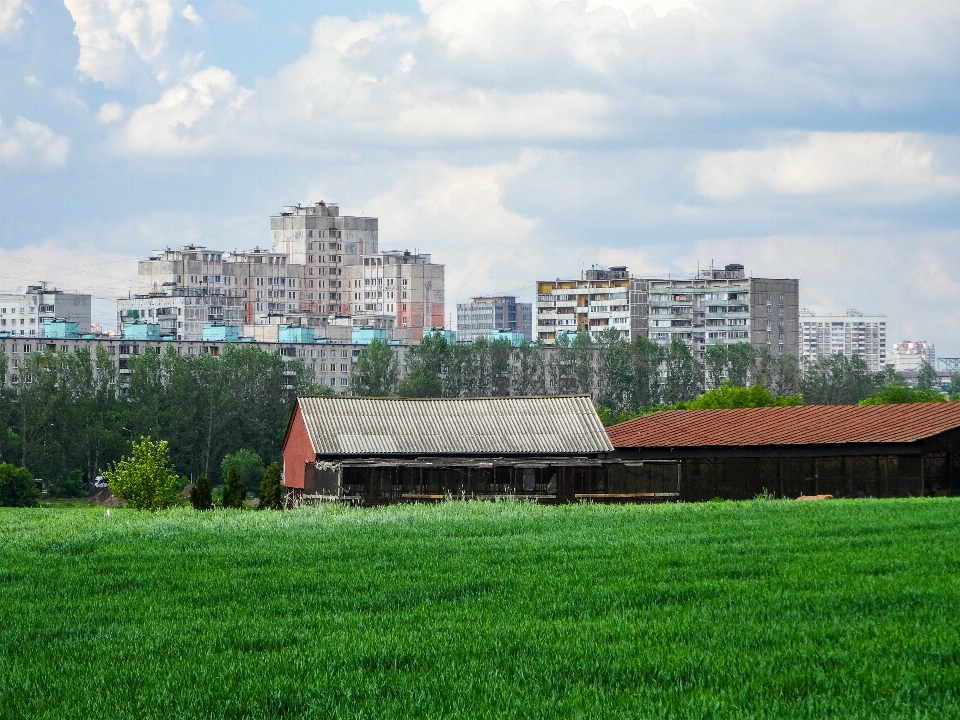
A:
(804, 425)
(557, 425)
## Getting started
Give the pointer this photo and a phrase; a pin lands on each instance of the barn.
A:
(380, 450)
(874, 451)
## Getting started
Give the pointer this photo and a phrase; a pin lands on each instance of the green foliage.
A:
(714, 610)
(426, 367)
(927, 379)
(838, 380)
(374, 374)
(248, 464)
(234, 493)
(955, 386)
(70, 486)
(683, 374)
(271, 491)
(201, 497)
(729, 396)
(901, 393)
(145, 481)
(17, 488)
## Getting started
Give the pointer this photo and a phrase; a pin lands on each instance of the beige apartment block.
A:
(397, 284)
(267, 282)
(192, 266)
(324, 242)
(595, 303)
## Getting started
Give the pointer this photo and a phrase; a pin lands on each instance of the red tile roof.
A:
(811, 424)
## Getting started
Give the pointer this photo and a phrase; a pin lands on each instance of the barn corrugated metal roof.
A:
(806, 425)
(456, 426)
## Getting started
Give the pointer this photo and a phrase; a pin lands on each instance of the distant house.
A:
(372, 451)
(875, 451)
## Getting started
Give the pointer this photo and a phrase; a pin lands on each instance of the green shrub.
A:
(201, 497)
(234, 491)
(271, 493)
(144, 480)
(17, 488)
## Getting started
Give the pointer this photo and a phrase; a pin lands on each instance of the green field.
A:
(781, 609)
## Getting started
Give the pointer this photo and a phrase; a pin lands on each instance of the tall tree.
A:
(740, 361)
(501, 354)
(683, 376)
(583, 357)
(715, 362)
(528, 370)
(647, 358)
(426, 367)
(927, 378)
(374, 374)
(615, 372)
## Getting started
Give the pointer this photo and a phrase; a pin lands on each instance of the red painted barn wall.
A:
(297, 451)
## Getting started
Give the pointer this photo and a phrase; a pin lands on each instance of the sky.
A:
(514, 140)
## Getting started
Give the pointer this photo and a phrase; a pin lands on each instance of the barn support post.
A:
(923, 474)
(950, 473)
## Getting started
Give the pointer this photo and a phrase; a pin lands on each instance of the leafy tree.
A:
(645, 388)
(234, 492)
(715, 364)
(561, 365)
(730, 396)
(17, 488)
(955, 386)
(741, 357)
(837, 380)
(69, 486)
(682, 381)
(201, 496)
(528, 370)
(583, 354)
(271, 491)
(420, 383)
(248, 464)
(501, 354)
(902, 393)
(927, 378)
(145, 480)
(615, 372)
(426, 367)
(374, 374)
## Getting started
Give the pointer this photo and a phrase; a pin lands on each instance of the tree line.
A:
(622, 376)
(71, 416)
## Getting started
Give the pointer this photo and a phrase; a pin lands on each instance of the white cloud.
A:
(869, 165)
(110, 112)
(11, 18)
(31, 144)
(192, 16)
(178, 124)
(122, 39)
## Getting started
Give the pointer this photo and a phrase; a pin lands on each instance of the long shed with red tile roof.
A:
(876, 450)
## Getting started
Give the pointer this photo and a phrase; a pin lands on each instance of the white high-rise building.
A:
(908, 356)
(852, 334)
(22, 313)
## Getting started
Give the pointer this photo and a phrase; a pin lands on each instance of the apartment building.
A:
(720, 307)
(852, 334)
(180, 312)
(488, 316)
(909, 356)
(23, 313)
(268, 283)
(192, 267)
(324, 242)
(598, 301)
(399, 285)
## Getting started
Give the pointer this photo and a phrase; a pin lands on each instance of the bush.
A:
(234, 491)
(17, 488)
(248, 464)
(201, 496)
(144, 480)
(70, 486)
(898, 393)
(271, 493)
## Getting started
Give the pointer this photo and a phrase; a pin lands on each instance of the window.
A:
(343, 382)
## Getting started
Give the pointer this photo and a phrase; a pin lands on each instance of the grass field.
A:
(842, 609)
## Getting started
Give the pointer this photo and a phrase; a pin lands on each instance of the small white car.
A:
(99, 482)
